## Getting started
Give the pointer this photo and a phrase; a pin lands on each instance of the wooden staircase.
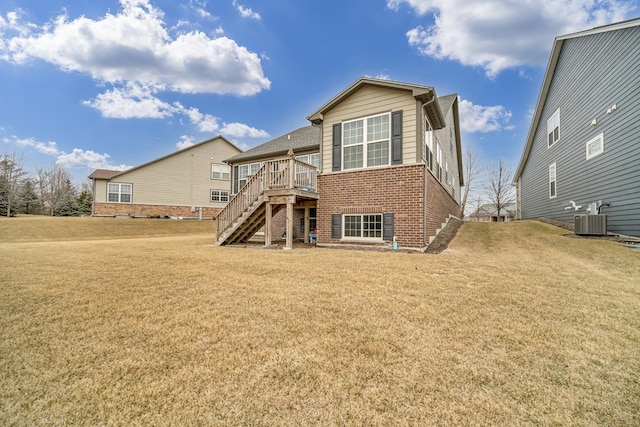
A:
(277, 183)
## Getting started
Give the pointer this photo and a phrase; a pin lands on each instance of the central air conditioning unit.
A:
(594, 225)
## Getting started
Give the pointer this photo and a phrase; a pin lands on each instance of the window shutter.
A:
(387, 226)
(337, 147)
(336, 226)
(235, 180)
(396, 138)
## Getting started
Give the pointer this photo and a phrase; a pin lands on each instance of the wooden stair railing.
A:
(273, 175)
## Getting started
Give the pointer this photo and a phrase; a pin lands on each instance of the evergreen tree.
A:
(28, 201)
(84, 203)
(66, 201)
(4, 196)
(12, 176)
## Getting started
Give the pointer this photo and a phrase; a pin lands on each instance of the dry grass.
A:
(513, 325)
(45, 229)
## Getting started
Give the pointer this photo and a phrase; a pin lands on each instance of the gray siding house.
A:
(583, 146)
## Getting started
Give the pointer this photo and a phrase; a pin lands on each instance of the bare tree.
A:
(11, 176)
(477, 202)
(53, 184)
(471, 172)
(499, 188)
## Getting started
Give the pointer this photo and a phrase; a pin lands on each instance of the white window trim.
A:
(365, 143)
(119, 192)
(428, 143)
(249, 167)
(360, 238)
(591, 141)
(224, 169)
(221, 193)
(550, 122)
(555, 180)
(309, 159)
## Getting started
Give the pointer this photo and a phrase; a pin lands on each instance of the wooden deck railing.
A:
(273, 175)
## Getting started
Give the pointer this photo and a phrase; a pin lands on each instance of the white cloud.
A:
(200, 8)
(87, 159)
(208, 123)
(134, 46)
(132, 101)
(78, 158)
(204, 122)
(246, 12)
(136, 101)
(500, 34)
(381, 76)
(185, 141)
(478, 118)
(49, 147)
(240, 130)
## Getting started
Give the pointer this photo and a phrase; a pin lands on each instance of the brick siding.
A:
(440, 204)
(279, 223)
(152, 211)
(397, 190)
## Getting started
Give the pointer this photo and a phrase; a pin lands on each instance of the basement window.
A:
(363, 226)
(219, 196)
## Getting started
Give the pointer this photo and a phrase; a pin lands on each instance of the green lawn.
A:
(144, 322)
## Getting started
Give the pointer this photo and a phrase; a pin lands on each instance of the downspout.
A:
(425, 240)
(93, 197)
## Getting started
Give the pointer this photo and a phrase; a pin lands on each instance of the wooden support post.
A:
(267, 224)
(289, 244)
(307, 229)
(292, 169)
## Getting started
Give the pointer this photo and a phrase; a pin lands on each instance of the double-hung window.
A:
(220, 171)
(428, 141)
(245, 171)
(552, 181)
(119, 193)
(553, 128)
(312, 159)
(368, 226)
(366, 141)
(219, 196)
(439, 160)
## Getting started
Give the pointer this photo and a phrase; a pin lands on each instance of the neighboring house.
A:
(584, 142)
(389, 169)
(192, 182)
(488, 213)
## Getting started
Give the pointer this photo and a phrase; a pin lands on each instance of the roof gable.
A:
(450, 102)
(548, 78)
(426, 94)
(105, 174)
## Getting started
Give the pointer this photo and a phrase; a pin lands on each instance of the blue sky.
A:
(113, 84)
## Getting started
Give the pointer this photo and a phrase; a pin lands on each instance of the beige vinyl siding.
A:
(367, 101)
(100, 192)
(182, 179)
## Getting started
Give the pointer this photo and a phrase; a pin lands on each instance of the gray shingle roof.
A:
(446, 102)
(303, 139)
(103, 174)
